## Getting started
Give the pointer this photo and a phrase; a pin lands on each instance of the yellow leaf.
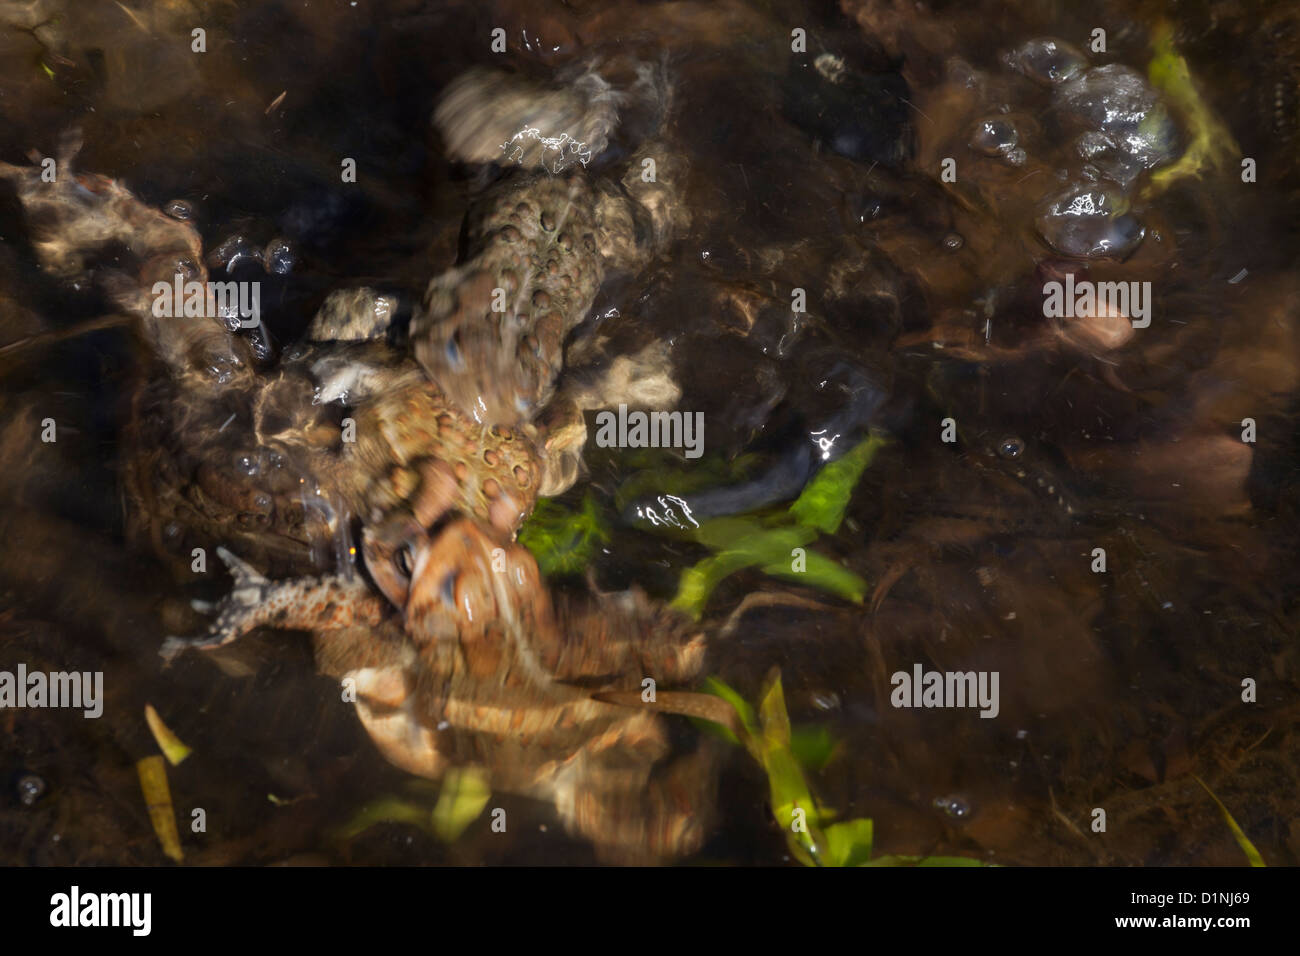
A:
(171, 746)
(158, 800)
(1243, 841)
(386, 809)
(464, 794)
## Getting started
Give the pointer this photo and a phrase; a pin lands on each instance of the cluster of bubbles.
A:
(1118, 127)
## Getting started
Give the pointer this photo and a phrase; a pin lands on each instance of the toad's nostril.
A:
(441, 523)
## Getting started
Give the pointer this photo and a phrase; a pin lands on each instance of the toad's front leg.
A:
(308, 604)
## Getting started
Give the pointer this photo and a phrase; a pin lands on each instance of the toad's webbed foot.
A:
(309, 604)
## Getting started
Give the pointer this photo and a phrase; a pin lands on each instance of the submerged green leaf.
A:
(665, 475)
(789, 792)
(749, 545)
(824, 500)
(1212, 145)
(563, 540)
(823, 573)
(768, 539)
(464, 794)
(387, 809)
(772, 715)
(721, 534)
(814, 746)
(748, 719)
(777, 747)
(1243, 841)
(849, 843)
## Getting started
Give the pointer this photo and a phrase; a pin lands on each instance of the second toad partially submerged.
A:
(478, 667)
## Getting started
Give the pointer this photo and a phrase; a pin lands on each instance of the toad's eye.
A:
(454, 358)
(1011, 447)
(405, 560)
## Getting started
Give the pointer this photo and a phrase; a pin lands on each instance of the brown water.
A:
(1116, 687)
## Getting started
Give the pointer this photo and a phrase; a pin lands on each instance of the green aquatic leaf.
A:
(765, 539)
(464, 794)
(770, 740)
(788, 788)
(849, 843)
(814, 746)
(1212, 146)
(743, 543)
(665, 475)
(721, 534)
(748, 719)
(767, 737)
(1243, 841)
(387, 810)
(749, 545)
(772, 714)
(562, 539)
(822, 573)
(823, 501)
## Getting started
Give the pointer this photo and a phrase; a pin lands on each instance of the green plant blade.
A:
(388, 809)
(752, 546)
(849, 843)
(464, 794)
(1212, 145)
(788, 787)
(813, 746)
(748, 719)
(1243, 841)
(822, 573)
(770, 740)
(824, 500)
(662, 474)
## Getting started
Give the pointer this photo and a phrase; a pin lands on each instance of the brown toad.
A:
(478, 667)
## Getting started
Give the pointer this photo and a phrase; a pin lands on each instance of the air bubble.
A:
(279, 257)
(179, 209)
(1011, 447)
(955, 806)
(30, 789)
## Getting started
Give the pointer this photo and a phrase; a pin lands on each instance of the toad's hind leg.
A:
(309, 604)
(624, 634)
(640, 815)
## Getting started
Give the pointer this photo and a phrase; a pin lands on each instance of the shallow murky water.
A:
(1100, 507)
